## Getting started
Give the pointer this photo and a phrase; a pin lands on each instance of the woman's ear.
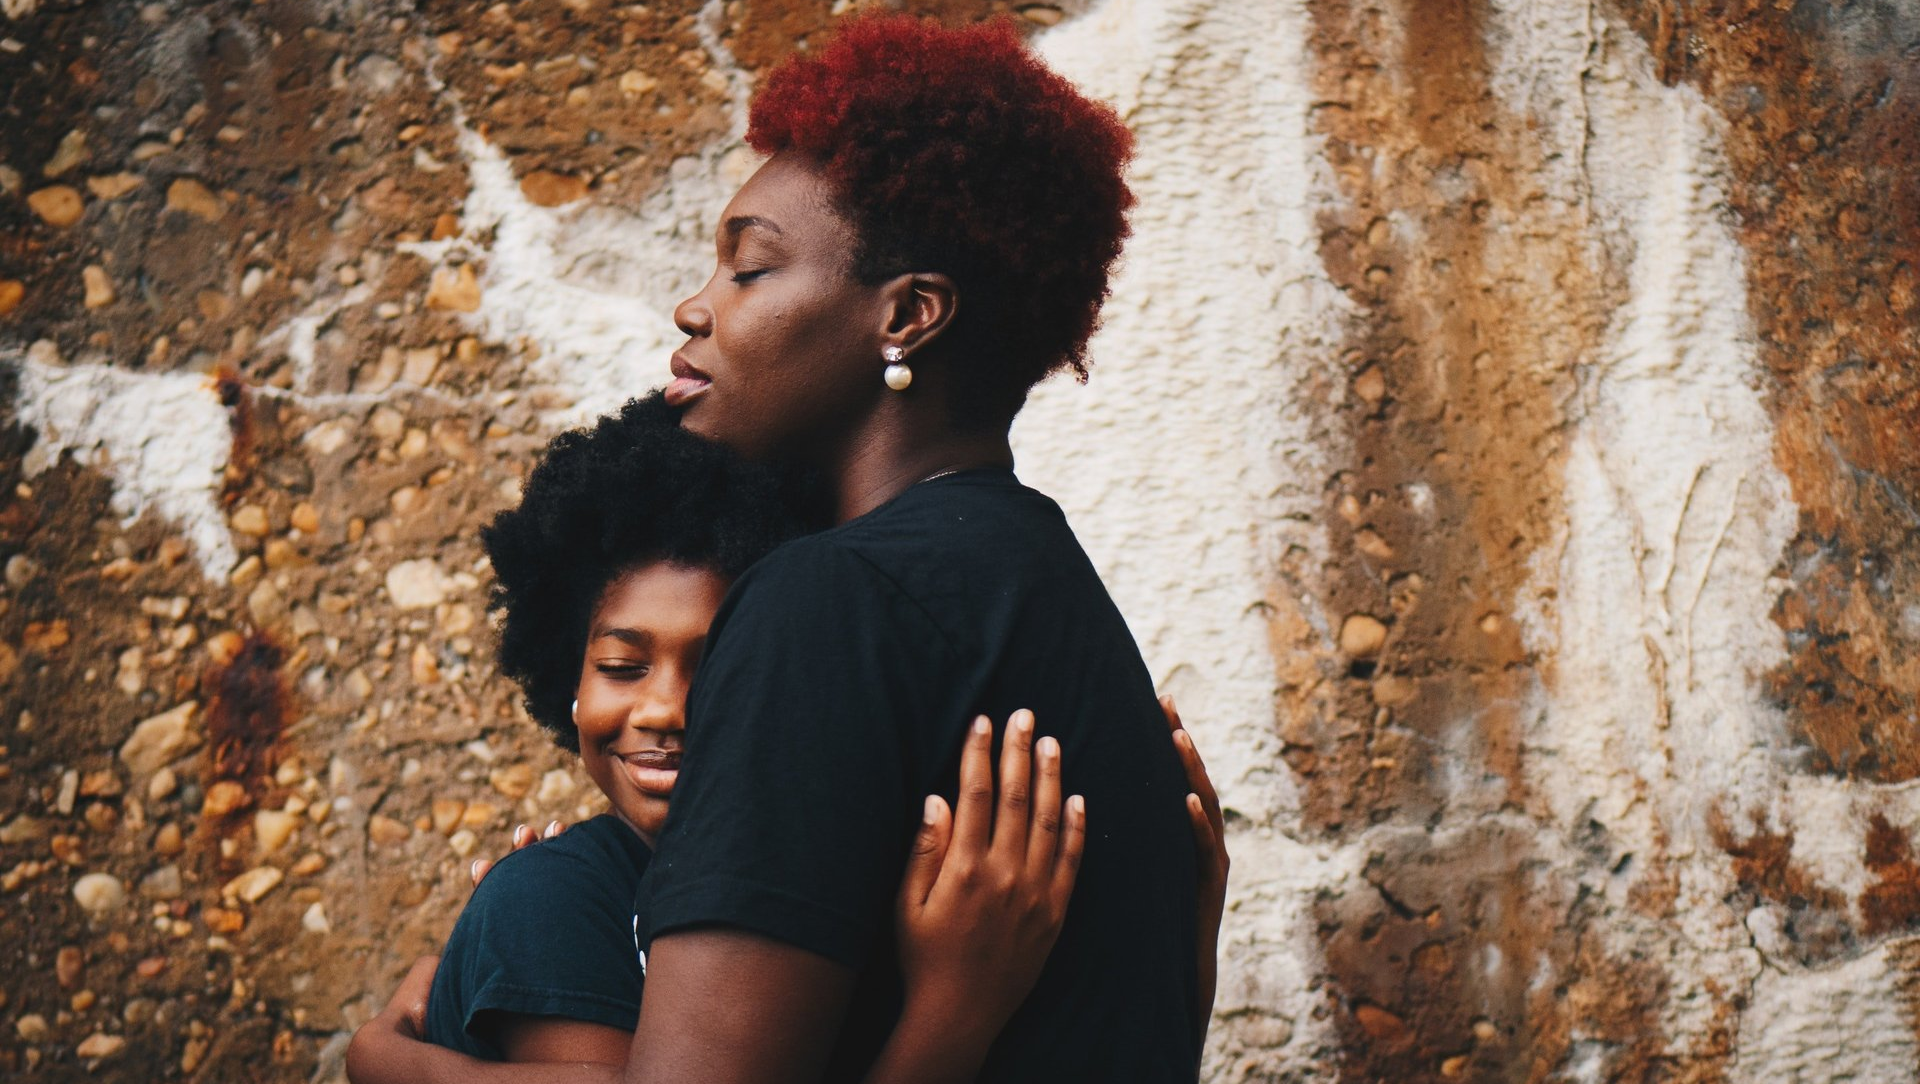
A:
(921, 305)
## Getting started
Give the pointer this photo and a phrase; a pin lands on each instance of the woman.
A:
(931, 236)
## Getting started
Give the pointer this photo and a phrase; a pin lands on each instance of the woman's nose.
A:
(694, 316)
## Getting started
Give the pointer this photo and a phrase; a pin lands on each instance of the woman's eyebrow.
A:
(738, 224)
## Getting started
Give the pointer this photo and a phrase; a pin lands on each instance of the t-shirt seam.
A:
(825, 540)
(845, 926)
(552, 993)
(946, 637)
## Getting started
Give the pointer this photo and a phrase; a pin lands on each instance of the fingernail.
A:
(553, 829)
(1182, 738)
(983, 725)
(520, 831)
(1077, 805)
(1022, 720)
(1047, 748)
(931, 811)
(474, 870)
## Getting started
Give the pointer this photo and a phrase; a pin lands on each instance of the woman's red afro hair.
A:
(953, 149)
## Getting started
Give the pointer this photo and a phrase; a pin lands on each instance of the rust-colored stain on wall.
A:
(1459, 373)
(1441, 509)
(1822, 114)
(1815, 916)
(1439, 970)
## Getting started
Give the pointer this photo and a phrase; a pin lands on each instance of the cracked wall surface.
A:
(1500, 440)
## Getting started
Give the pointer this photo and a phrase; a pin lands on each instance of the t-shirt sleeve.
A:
(801, 784)
(545, 934)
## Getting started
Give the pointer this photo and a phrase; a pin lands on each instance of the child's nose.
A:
(662, 706)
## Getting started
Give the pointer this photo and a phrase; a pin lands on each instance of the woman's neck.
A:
(877, 467)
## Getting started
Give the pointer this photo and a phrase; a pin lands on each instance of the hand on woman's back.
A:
(987, 885)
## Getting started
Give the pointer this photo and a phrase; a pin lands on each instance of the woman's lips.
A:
(687, 383)
(652, 771)
(684, 389)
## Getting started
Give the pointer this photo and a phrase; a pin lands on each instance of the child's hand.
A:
(986, 889)
(1210, 841)
(523, 837)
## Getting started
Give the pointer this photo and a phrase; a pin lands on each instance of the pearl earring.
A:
(898, 376)
(576, 711)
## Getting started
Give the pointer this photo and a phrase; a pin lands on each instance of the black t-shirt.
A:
(549, 932)
(841, 675)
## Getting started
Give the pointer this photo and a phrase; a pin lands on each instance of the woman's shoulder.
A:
(817, 561)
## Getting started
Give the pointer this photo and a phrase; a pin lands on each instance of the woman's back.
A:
(841, 676)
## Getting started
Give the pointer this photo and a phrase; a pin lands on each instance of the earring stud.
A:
(576, 711)
(898, 376)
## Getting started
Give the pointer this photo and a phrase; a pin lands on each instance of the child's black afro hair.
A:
(632, 489)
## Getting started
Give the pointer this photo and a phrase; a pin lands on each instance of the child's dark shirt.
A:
(549, 932)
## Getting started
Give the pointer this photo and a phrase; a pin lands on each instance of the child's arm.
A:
(389, 1049)
(982, 902)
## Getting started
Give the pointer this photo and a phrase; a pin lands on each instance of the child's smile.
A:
(644, 643)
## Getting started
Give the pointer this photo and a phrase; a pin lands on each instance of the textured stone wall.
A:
(1501, 439)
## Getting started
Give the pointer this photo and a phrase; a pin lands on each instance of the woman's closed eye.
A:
(748, 274)
(621, 669)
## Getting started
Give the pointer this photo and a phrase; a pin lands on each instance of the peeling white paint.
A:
(591, 287)
(1677, 517)
(163, 439)
(603, 345)
(1848, 1022)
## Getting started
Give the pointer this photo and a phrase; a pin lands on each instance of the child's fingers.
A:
(1016, 789)
(1066, 864)
(973, 812)
(929, 851)
(1043, 839)
(1200, 781)
(1172, 713)
(1205, 842)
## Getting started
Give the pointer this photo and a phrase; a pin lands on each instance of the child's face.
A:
(644, 641)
